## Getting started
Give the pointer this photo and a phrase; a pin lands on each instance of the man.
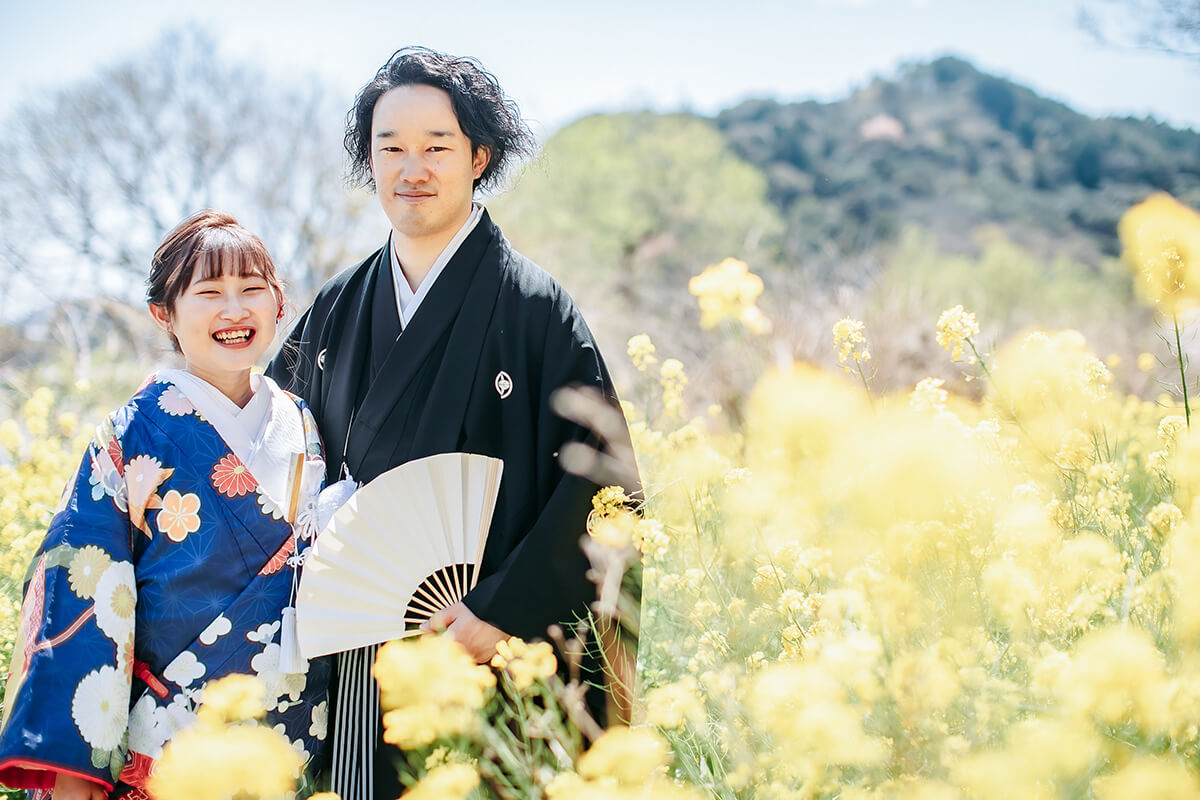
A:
(447, 340)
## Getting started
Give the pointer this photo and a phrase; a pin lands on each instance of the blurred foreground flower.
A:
(217, 761)
(447, 782)
(728, 291)
(430, 688)
(1160, 240)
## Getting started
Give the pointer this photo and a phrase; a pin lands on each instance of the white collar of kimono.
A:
(406, 299)
(264, 434)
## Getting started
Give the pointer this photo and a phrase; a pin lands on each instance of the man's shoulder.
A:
(346, 278)
(527, 281)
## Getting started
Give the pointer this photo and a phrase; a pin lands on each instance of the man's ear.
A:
(162, 317)
(483, 155)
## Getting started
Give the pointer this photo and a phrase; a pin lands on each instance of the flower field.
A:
(845, 593)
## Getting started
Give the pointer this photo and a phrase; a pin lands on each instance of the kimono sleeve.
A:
(67, 699)
(544, 579)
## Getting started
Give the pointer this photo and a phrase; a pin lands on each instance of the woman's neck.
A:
(234, 385)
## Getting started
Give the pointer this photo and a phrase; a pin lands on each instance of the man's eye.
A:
(438, 149)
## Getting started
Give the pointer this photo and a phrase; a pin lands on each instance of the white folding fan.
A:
(402, 548)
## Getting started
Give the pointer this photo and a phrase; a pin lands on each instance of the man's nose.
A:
(414, 169)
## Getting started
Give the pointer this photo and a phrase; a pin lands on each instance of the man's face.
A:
(422, 162)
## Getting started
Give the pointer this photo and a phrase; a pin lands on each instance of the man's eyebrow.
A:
(431, 134)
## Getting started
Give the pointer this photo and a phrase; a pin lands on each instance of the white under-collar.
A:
(263, 435)
(407, 300)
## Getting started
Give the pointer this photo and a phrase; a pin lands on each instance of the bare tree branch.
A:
(1168, 26)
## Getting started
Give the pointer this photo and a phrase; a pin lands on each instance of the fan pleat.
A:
(402, 548)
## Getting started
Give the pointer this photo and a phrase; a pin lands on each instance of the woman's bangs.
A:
(225, 254)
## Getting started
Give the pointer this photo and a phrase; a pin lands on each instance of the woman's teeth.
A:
(233, 337)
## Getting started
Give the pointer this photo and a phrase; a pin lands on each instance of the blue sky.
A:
(563, 59)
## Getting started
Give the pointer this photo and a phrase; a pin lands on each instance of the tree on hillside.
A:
(633, 202)
(95, 173)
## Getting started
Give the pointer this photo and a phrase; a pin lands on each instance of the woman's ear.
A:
(162, 317)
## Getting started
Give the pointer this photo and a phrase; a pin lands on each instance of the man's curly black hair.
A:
(487, 117)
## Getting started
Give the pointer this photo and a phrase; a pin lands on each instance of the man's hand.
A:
(69, 787)
(478, 637)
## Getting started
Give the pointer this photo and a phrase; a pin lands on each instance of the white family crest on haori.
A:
(402, 548)
(504, 384)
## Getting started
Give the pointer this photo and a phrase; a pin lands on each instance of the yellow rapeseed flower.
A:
(448, 782)
(850, 341)
(630, 755)
(205, 763)
(1164, 518)
(928, 395)
(675, 704)
(1160, 241)
(10, 436)
(430, 688)
(728, 291)
(1146, 362)
(955, 328)
(232, 699)
(672, 379)
(525, 662)
(1117, 675)
(641, 352)
(1163, 778)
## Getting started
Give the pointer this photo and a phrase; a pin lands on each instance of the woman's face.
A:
(224, 325)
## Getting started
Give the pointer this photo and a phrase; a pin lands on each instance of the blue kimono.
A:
(166, 566)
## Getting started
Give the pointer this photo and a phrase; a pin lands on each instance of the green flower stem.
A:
(1187, 409)
(866, 384)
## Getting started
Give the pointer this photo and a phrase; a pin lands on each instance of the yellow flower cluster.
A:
(430, 688)
(641, 352)
(623, 764)
(39, 452)
(214, 760)
(934, 597)
(850, 341)
(232, 699)
(675, 704)
(673, 380)
(955, 329)
(728, 291)
(525, 663)
(447, 782)
(1160, 241)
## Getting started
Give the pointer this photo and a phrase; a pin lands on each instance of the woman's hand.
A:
(69, 787)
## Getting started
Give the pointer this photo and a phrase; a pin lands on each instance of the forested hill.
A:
(952, 148)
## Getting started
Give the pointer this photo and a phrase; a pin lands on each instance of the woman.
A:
(172, 558)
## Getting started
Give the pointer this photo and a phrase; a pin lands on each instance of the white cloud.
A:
(215, 630)
(264, 634)
(185, 670)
